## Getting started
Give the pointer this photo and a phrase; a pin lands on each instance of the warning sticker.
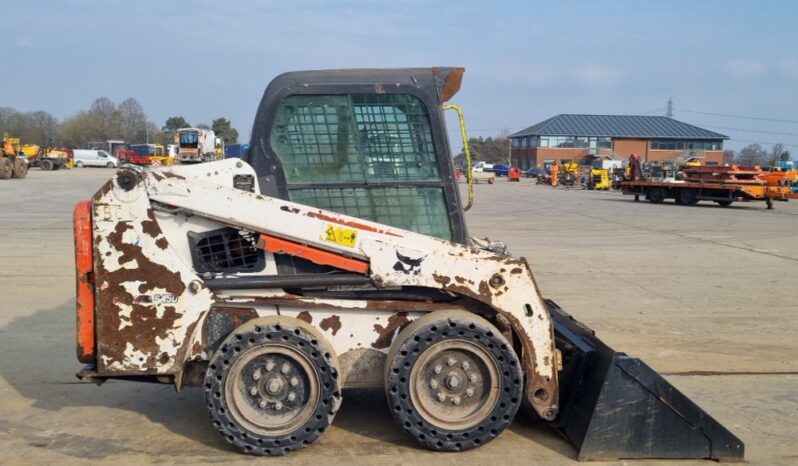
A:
(340, 235)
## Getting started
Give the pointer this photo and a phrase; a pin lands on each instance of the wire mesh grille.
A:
(418, 209)
(354, 138)
(227, 251)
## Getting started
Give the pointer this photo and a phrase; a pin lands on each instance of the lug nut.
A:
(269, 365)
(274, 386)
(256, 375)
(472, 378)
(294, 381)
(291, 396)
(285, 368)
(465, 365)
(451, 361)
(253, 391)
(262, 404)
(433, 384)
(455, 400)
(437, 369)
(453, 381)
(278, 405)
(469, 392)
(441, 397)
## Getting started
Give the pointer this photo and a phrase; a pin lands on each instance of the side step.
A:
(613, 406)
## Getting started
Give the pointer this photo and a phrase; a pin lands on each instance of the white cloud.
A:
(790, 67)
(597, 75)
(745, 68)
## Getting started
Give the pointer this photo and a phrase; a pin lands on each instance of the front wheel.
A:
(46, 165)
(79, 164)
(273, 386)
(110, 165)
(452, 381)
(20, 168)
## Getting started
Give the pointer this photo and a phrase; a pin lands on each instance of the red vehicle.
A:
(514, 174)
(120, 149)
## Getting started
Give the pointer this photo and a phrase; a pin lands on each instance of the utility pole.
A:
(669, 113)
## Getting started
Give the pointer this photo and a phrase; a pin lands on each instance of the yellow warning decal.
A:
(340, 235)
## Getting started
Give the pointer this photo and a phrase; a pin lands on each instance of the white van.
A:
(94, 158)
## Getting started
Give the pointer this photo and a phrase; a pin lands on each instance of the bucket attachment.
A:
(613, 406)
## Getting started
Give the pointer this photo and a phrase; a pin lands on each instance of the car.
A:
(534, 172)
(94, 158)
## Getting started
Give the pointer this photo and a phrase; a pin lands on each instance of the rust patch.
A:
(459, 280)
(306, 317)
(517, 270)
(332, 323)
(484, 291)
(442, 279)
(451, 83)
(162, 243)
(150, 226)
(143, 327)
(386, 333)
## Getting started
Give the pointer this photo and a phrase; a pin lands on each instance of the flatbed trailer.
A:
(691, 192)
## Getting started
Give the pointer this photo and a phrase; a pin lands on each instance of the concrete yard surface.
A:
(705, 295)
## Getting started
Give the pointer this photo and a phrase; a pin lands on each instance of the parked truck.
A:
(196, 145)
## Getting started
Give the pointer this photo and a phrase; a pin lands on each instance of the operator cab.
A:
(367, 143)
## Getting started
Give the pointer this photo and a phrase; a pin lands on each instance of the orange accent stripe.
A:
(315, 255)
(84, 268)
(349, 223)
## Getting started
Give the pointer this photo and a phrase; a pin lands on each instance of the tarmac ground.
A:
(705, 295)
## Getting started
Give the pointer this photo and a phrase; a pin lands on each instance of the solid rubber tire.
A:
(425, 332)
(286, 331)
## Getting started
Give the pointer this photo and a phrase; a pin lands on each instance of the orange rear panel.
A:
(84, 268)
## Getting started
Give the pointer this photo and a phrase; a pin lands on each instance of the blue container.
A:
(235, 150)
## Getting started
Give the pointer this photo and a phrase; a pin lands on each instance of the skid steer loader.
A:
(336, 255)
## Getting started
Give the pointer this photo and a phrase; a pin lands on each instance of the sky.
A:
(525, 60)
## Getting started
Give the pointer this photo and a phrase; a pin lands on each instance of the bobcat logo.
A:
(408, 265)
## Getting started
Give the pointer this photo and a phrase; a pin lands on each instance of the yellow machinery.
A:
(12, 163)
(569, 175)
(599, 179)
(150, 154)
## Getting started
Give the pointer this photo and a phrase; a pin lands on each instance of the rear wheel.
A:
(20, 168)
(724, 203)
(273, 386)
(79, 164)
(453, 382)
(6, 168)
(46, 165)
(656, 195)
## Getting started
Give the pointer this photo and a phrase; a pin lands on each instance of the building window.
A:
(516, 143)
(686, 144)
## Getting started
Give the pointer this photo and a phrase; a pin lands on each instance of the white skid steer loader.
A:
(335, 255)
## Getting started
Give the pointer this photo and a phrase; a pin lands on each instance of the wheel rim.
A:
(272, 390)
(455, 384)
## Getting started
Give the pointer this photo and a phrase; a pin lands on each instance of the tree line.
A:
(103, 120)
